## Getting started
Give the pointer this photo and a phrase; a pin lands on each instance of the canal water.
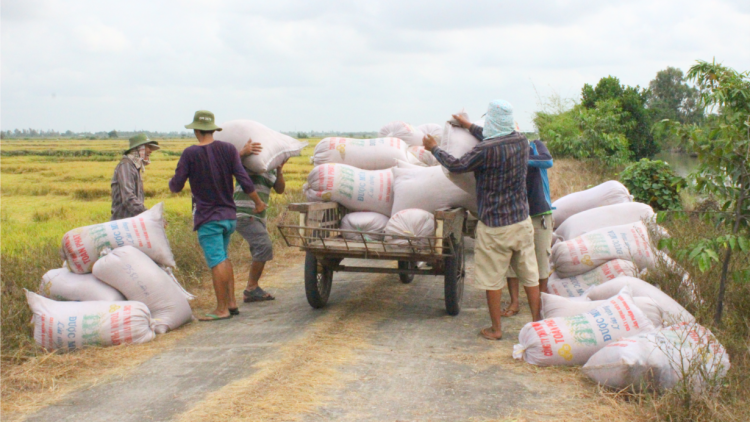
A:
(682, 164)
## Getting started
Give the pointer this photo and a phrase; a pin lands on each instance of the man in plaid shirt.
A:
(505, 234)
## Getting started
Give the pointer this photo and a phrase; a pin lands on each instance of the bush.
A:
(653, 183)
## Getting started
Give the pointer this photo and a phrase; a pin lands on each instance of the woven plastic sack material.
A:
(659, 360)
(82, 246)
(74, 325)
(63, 285)
(423, 157)
(403, 131)
(355, 189)
(608, 193)
(576, 286)
(277, 147)
(457, 141)
(364, 222)
(554, 306)
(429, 189)
(569, 341)
(584, 253)
(365, 154)
(672, 312)
(433, 129)
(411, 223)
(135, 275)
(606, 216)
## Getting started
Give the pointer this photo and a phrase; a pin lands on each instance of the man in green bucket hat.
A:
(210, 167)
(127, 182)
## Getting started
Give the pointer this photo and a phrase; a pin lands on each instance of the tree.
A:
(671, 98)
(112, 134)
(723, 147)
(635, 117)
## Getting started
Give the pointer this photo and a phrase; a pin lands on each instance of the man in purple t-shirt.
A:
(209, 166)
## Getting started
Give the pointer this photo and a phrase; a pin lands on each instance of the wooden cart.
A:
(319, 234)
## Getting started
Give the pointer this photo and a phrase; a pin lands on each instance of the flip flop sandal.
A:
(489, 337)
(507, 313)
(212, 317)
(257, 295)
(234, 311)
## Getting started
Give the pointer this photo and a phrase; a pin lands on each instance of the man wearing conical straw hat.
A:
(127, 182)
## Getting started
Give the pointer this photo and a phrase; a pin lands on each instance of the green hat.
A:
(141, 139)
(203, 120)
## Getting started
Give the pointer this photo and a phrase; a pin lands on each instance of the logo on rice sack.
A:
(566, 352)
(586, 260)
(341, 148)
(327, 196)
(113, 308)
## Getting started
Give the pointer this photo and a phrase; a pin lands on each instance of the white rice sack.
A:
(364, 222)
(410, 223)
(577, 285)
(277, 147)
(572, 340)
(429, 189)
(145, 232)
(608, 193)
(433, 129)
(74, 325)
(672, 311)
(659, 360)
(403, 131)
(422, 156)
(63, 285)
(554, 306)
(355, 189)
(365, 154)
(135, 275)
(457, 141)
(584, 253)
(601, 217)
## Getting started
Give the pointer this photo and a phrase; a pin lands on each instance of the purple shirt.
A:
(209, 169)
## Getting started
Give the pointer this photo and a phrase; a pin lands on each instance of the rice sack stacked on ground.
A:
(69, 326)
(577, 285)
(63, 285)
(554, 306)
(573, 340)
(601, 217)
(607, 193)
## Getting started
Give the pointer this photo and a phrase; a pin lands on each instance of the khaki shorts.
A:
(542, 245)
(498, 248)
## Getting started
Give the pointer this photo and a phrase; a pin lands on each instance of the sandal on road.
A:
(213, 317)
(509, 312)
(256, 295)
(234, 311)
(486, 334)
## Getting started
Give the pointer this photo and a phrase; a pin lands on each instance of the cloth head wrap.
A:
(138, 157)
(499, 120)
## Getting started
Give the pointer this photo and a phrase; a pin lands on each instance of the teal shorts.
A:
(214, 240)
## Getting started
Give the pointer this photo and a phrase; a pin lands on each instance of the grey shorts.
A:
(255, 233)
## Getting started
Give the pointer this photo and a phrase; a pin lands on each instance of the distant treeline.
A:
(117, 134)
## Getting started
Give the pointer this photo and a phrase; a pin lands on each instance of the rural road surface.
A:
(380, 351)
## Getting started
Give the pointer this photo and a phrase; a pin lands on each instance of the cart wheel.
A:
(406, 265)
(318, 279)
(454, 279)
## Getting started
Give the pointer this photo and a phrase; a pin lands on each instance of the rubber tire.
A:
(406, 265)
(454, 281)
(317, 284)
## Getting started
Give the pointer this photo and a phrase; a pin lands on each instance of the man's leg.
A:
(494, 303)
(512, 309)
(535, 301)
(261, 249)
(222, 274)
(525, 265)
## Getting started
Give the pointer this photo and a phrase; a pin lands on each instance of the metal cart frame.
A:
(320, 236)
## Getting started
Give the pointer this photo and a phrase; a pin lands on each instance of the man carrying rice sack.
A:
(251, 224)
(127, 182)
(210, 166)
(505, 234)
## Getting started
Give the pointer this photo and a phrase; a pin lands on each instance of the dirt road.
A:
(380, 351)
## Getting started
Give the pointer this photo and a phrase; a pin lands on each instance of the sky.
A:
(333, 64)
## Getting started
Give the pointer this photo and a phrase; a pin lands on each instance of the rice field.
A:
(44, 195)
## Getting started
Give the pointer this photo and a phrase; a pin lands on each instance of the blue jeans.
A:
(214, 240)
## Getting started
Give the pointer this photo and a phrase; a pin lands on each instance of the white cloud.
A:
(332, 64)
